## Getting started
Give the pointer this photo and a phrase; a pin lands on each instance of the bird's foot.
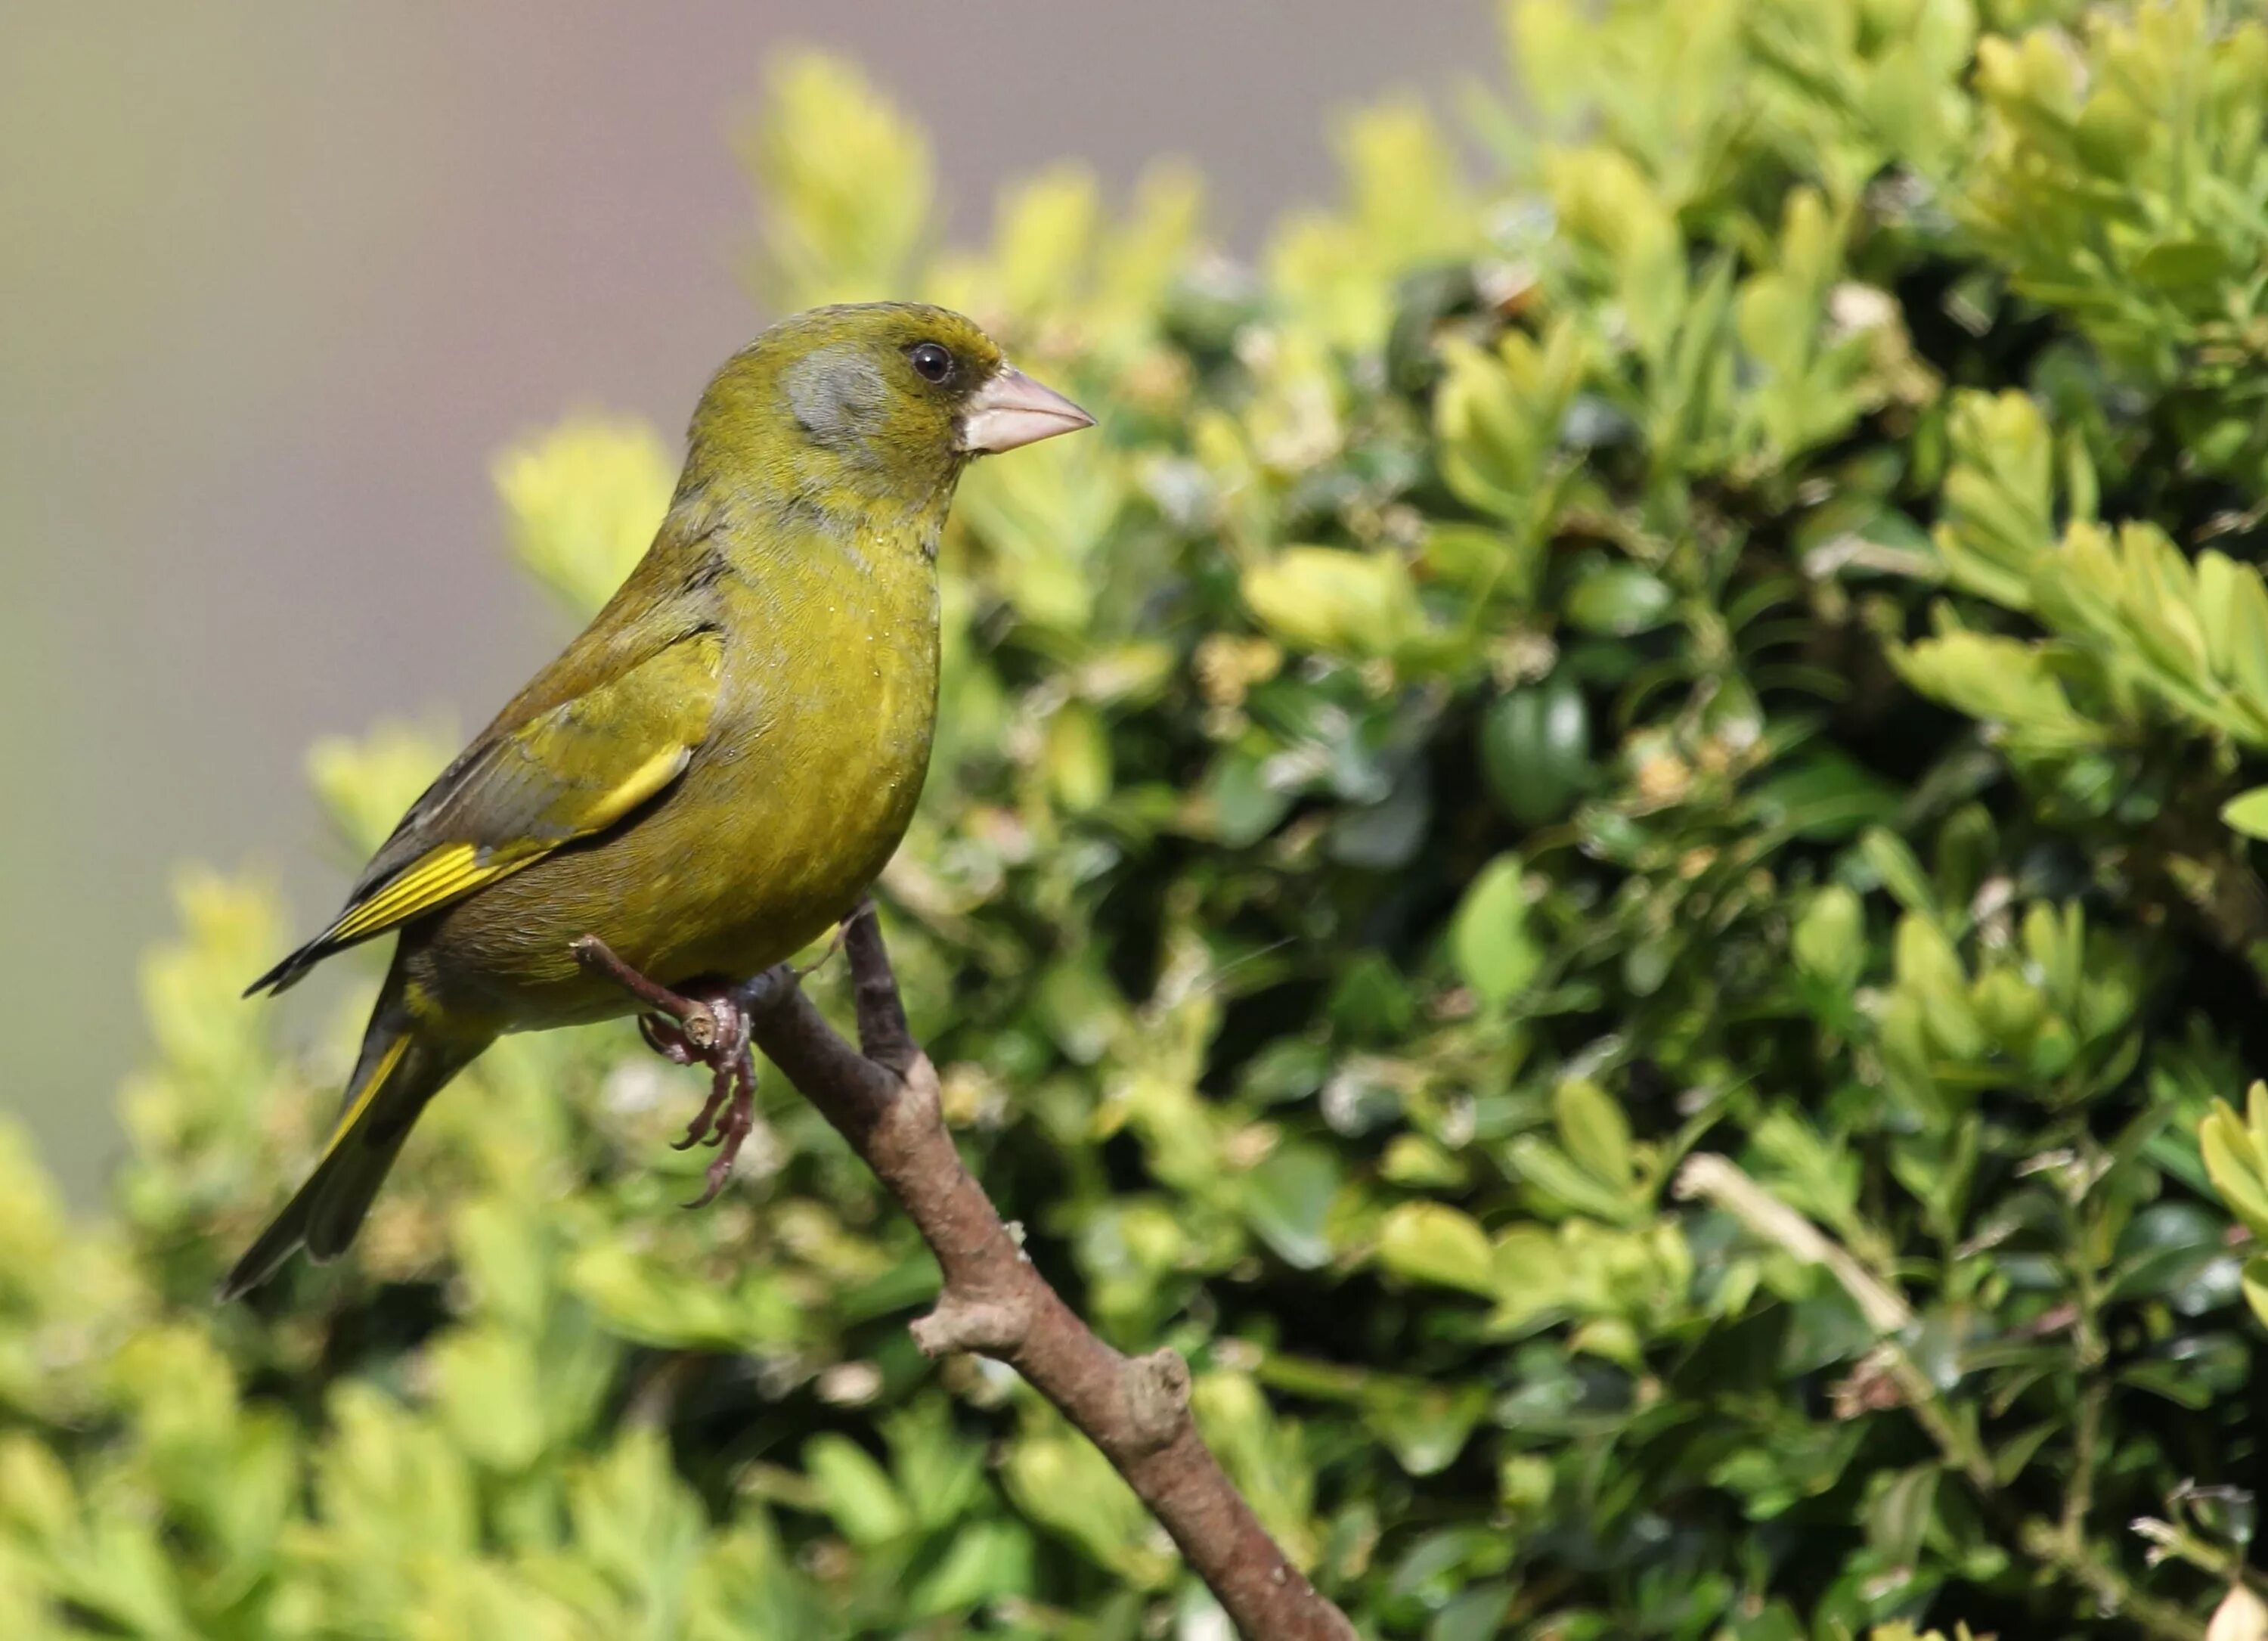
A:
(705, 1025)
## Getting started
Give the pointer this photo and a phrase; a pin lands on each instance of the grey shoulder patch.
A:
(835, 393)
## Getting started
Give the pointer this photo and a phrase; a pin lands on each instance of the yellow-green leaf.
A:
(1489, 940)
(1431, 1242)
(2248, 812)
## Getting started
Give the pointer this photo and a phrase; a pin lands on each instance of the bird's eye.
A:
(933, 361)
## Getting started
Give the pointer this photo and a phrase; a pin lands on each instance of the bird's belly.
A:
(786, 875)
(757, 850)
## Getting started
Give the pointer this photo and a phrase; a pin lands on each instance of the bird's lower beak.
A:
(1012, 409)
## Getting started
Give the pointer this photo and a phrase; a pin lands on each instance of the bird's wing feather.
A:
(517, 794)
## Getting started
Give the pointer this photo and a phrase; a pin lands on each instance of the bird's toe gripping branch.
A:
(705, 1024)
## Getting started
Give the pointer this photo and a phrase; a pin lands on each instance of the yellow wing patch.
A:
(426, 883)
(641, 783)
(563, 775)
(455, 870)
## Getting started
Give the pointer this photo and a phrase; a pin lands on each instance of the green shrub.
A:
(1599, 850)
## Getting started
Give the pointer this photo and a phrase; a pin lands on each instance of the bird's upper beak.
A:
(1012, 409)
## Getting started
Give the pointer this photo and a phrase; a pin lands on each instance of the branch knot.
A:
(1156, 1398)
(912, 1114)
(993, 1325)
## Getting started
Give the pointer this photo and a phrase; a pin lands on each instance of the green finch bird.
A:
(711, 775)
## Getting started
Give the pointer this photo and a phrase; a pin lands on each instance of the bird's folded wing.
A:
(515, 796)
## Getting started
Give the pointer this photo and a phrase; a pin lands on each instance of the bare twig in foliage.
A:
(882, 1097)
(2063, 1546)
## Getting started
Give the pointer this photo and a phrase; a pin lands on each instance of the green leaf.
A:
(1899, 870)
(845, 216)
(1901, 1513)
(2175, 264)
(984, 1562)
(1431, 1242)
(1595, 1131)
(1830, 940)
(1244, 807)
(2234, 1163)
(1560, 1186)
(1619, 600)
(2248, 812)
(857, 1491)
(1328, 599)
(1059, 1479)
(1427, 1426)
(2254, 1280)
(1080, 1009)
(1287, 1199)
(1412, 1161)
(489, 1396)
(1536, 750)
(38, 1498)
(1827, 797)
(1488, 941)
(1474, 1615)
(1530, 1274)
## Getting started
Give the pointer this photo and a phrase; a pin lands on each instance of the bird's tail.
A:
(400, 1069)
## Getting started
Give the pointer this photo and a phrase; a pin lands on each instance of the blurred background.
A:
(277, 282)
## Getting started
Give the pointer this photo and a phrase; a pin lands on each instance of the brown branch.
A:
(882, 1098)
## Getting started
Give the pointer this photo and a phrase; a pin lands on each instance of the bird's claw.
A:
(699, 1128)
(663, 1037)
(705, 1026)
(738, 1122)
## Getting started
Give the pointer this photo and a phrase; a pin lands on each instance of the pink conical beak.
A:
(1012, 409)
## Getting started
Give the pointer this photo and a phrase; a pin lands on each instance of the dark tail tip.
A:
(240, 1281)
(265, 1257)
(284, 975)
(253, 1269)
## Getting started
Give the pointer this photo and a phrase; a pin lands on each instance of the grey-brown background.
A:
(276, 281)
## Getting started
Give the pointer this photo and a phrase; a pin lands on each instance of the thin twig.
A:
(2062, 1545)
(884, 1101)
(1720, 1179)
(2112, 1590)
(884, 1035)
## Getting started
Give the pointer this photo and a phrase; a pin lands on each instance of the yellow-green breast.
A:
(803, 788)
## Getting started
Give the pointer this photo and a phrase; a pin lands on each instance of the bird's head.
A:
(873, 401)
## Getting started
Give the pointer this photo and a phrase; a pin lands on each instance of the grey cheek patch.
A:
(835, 393)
